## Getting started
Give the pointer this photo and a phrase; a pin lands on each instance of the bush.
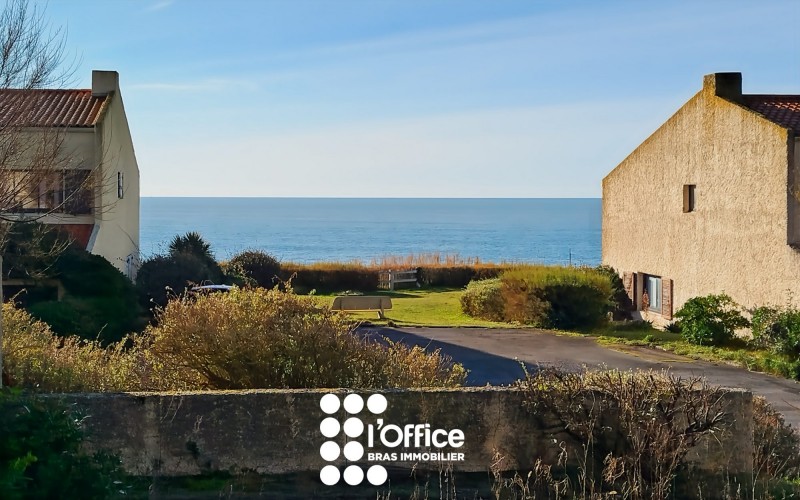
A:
(261, 338)
(483, 299)
(260, 267)
(455, 276)
(40, 455)
(99, 301)
(777, 329)
(628, 432)
(330, 278)
(622, 304)
(163, 277)
(777, 444)
(556, 297)
(34, 357)
(710, 320)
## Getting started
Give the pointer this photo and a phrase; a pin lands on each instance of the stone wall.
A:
(278, 431)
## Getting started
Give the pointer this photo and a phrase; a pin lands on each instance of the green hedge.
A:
(305, 279)
(544, 296)
(455, 276)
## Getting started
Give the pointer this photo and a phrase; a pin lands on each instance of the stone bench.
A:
(362, 303)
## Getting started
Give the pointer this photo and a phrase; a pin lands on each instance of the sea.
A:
(305, 230)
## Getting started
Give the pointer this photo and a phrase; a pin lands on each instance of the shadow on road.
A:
(484, 368)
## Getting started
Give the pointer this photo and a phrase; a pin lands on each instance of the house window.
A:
(120, 190)
(65, 191)
(688, 197)
(652, 287)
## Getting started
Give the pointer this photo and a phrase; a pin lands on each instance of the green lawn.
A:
(423, 307)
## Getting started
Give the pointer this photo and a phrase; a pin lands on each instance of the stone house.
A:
(710, 203)
(93, 194)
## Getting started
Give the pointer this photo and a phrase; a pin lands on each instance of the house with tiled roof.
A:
(93, 193)
(710, 203)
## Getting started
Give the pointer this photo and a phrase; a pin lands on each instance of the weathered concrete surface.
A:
(742, 236)
(278, 431)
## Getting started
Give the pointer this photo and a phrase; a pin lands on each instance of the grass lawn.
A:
(423, 307)
(736, 352)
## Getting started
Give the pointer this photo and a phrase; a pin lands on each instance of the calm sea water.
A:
(315, 229)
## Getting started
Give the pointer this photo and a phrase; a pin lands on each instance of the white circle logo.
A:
(329, 451)
(353, 475)
(377, 403)
(353, 404)
(329, 475)
(377, 475)
(353, 427)
(330, 427)
(353, 451)
(329, 403)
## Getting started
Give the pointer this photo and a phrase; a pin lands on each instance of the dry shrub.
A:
(34, 357)
(271, 339)
(777, 444)
(630, 432)
(483, 299)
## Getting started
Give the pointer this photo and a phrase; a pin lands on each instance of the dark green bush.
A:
(777, 329)
(710, 320)
(99, 301)
(622, 303)
(260, 267)
(165, 276)
(484, 299)
(543, 296)
(454, 276)
(556, 297)
(335, 279)
(40, 455)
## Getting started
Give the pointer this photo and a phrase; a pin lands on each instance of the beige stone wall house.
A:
(710, 202)
(94, 193)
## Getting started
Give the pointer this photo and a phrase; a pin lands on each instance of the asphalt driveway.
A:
(493, 356)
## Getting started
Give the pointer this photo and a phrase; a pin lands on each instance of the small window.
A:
(688, 198)
(120, 182)
(652, 287)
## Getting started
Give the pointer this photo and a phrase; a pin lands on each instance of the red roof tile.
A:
(50, 108)
(781, 109)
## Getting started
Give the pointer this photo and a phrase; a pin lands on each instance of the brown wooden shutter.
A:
(666, 298)
(629, 283)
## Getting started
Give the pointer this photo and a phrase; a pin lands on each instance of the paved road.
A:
(494, 356)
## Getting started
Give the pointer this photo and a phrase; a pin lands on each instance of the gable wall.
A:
(737, 239)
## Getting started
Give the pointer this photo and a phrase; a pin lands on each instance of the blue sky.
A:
(409, 98)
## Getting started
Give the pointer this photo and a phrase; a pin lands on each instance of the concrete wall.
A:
(737, 239)
(278, 431)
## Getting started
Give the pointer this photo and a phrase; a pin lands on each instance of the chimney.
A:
(726, 85)
(104, 82)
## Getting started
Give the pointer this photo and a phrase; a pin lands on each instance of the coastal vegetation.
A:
(245, 339)
(543, 296)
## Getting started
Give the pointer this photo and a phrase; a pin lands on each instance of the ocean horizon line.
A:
(375, 197)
